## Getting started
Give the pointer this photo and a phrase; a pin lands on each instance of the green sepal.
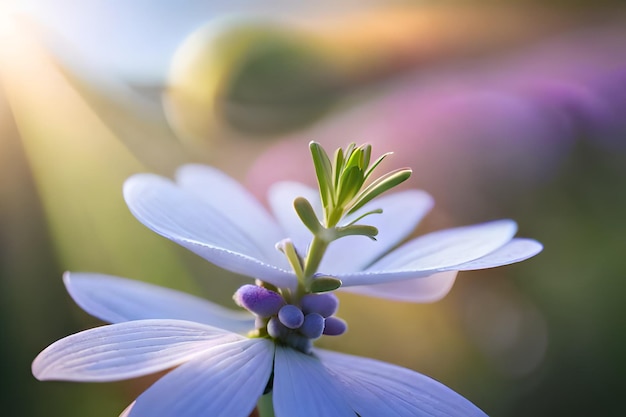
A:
(324, 284)
(354, 157)
(375, 164)
(375, 211)
(338, 166)
(349, 185)
(382, 184)
(305, 211)
(323, 171)
(286, 246)
(355, 230)
(366, 156)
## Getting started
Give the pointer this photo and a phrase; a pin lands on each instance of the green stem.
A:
(333, 217)
(265, 406)
(314, 257)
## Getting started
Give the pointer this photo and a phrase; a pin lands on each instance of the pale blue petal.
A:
(516, 250)
(116, 300)
(304, 388)
(420, 290)
(225, 381)
(402, 211)
(435, 252)
(126, 350)
(448, 247)
(280, 197)
(376, 389)
(187, 220)
(232, 200)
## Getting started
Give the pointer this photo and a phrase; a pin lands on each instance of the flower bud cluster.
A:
(293, 324)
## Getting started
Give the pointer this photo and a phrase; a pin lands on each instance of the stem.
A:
(334, 217)
(265, 406)
(314, 257)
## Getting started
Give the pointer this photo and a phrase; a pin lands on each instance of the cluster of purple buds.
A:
(295, 324)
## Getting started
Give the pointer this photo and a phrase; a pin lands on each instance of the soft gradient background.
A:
(515, 109)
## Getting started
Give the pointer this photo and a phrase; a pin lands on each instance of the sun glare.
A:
(9, 14)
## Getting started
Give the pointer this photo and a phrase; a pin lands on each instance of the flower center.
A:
(297, 316)
(295, 324)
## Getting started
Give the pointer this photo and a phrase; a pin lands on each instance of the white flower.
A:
(212, 215)
(219, 372)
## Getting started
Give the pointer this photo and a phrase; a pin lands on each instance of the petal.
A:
(231, 199)
(304, 388)
(280, 197)
(449, 247)
(420, 290)
(516, 250)
(375, 389)
(435, 252)
(402, 211)
(187, 220)
(126, 350)
(226, 381)
(117, 300)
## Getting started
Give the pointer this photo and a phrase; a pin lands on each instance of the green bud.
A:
(382, 184)
(286, 246)
(324, 284)
(307, 215)
(323, 171)
(356, 230)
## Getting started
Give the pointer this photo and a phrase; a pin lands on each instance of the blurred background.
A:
(509, 109)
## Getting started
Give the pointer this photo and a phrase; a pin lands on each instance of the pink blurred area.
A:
(505, 119)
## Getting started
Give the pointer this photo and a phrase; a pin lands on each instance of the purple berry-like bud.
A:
(259, 300)
(291, 316)
(313, 326)
(276, 329)
(335, 326)
(323, 304)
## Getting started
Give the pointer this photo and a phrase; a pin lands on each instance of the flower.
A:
(297, 260)
(214, 216)
(219, 372)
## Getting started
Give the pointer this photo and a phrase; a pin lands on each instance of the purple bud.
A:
(291, 316)
(323, 304)
(259, 300)
(313, 326)
(335, 326)
(276, 329)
